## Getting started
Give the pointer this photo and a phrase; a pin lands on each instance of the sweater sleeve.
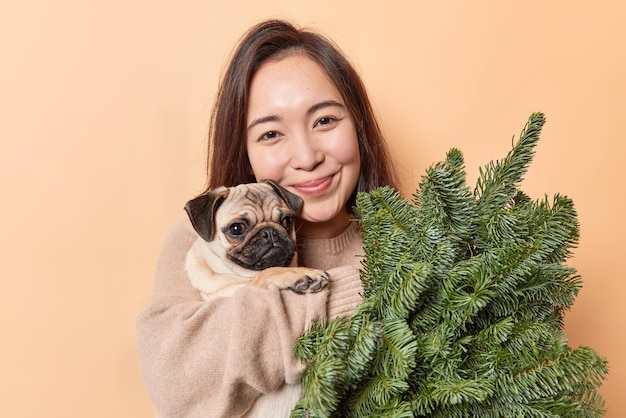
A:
(213, 358)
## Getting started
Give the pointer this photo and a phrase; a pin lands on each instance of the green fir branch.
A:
(462, 312)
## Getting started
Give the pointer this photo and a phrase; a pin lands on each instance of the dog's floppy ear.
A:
(201, 211)
(293, 200)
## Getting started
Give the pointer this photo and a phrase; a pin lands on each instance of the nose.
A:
(305, 153)
(270, 234)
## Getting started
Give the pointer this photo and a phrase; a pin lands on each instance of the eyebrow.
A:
(311, 110)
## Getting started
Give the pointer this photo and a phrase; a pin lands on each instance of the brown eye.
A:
(287, 222)
(325, 122)
(269, 136)
(237, 229)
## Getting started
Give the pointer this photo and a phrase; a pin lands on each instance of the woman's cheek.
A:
(266, 163)
(344, 145)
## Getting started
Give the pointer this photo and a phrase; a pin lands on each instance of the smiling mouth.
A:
(314, 187)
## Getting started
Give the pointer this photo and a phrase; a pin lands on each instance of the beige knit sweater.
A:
(214, 358)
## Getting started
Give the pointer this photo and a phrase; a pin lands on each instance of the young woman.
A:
(291, 109)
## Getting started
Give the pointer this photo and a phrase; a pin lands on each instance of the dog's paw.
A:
(311, 283)
(298, 279)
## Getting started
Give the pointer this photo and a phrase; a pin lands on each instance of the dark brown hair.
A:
(228, 163)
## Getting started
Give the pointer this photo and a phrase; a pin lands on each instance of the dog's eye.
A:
(236, 229)
(287, 222)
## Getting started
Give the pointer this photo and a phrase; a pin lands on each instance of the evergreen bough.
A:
(462, 311)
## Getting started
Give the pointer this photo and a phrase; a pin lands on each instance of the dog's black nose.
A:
(270, 234)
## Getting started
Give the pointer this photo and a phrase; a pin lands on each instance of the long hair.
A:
(228, 164)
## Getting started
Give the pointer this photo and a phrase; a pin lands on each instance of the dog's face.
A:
(251, 225)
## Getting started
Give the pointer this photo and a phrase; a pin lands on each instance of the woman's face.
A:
(301, 135)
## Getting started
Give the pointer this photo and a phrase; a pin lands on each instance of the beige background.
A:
(103, 116)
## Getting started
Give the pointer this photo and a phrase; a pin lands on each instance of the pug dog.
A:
(246, 236)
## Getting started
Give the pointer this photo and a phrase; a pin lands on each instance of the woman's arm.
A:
(213, 358)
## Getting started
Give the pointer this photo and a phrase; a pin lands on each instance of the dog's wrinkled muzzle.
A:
(268, 248)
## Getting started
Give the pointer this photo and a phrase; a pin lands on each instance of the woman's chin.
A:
(323, 223)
